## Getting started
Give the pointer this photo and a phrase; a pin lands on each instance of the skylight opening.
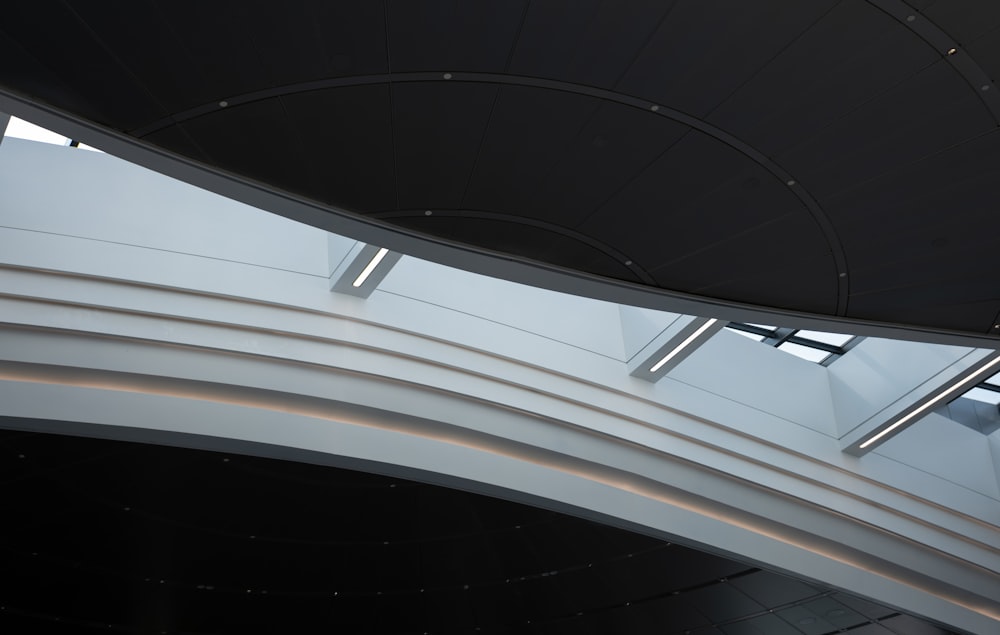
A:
(805, 352)
(752, 336)
(815, 346)
(21, 129)
(993, 382)
(986, 391)
(984, 395)
(834, 339)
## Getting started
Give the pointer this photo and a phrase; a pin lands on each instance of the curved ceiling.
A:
(109, 536)
(836, 158)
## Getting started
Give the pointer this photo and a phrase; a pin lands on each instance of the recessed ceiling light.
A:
(669, 356)
(223, 103)
(447, 75)
(367, 271)
(952, 51)
(911, 18)
(654, 107)
(963, 385)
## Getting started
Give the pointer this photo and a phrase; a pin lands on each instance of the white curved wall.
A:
(130, 309)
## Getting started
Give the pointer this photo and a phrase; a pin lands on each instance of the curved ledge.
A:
(157, 364)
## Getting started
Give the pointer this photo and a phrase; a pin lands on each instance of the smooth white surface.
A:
(959, 453)
(587, 324)
(879, 371)
(179, 217)
(737, 448)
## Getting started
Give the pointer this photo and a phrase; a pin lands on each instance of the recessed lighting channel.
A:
(367, 271)
(680, 347)
(933, 403)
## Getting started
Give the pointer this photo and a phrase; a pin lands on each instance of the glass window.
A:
(835, 339)
(805, 352)
(984, 395)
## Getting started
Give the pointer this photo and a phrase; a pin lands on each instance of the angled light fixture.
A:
(379, 255)
(357, 270)
(683, 345)
(963, 384)
(674, 344)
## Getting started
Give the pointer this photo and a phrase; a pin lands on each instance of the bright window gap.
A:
(753, 336)
(21, 129)
(835, 339)
(806, 353)
(986, 396)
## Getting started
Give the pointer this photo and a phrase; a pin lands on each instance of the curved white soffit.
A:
(92, 356)
(445, 252)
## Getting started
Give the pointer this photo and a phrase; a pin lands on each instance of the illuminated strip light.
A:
(360, 280)
(931, 404)
(690, 338)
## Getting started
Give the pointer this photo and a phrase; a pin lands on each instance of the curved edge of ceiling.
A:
(452, 254)
(867, 561)
(127, 368)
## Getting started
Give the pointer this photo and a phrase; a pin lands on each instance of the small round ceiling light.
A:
(223, 103)
(952, 51)
(447, 75)
(911, 18)
(654, 107)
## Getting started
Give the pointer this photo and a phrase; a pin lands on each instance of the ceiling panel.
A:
(615, 145)
(442, 35)
(851, 56)
(925, 114)
(437, 131)
(506, 177)
(587, 42)
(704, 51)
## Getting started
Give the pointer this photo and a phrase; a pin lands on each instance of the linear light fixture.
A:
(357, 268)
(680, 336)
(961, 386)
(680, 347)
(379, 255)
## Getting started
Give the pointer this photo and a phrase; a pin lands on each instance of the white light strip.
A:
(360, 280)
(669, 356)
(930, 404)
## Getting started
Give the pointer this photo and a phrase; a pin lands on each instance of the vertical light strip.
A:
(379, 255)
(690, 338)
(931, 404)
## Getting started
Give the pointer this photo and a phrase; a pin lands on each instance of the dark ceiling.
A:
(113, 537)
(840, 158)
